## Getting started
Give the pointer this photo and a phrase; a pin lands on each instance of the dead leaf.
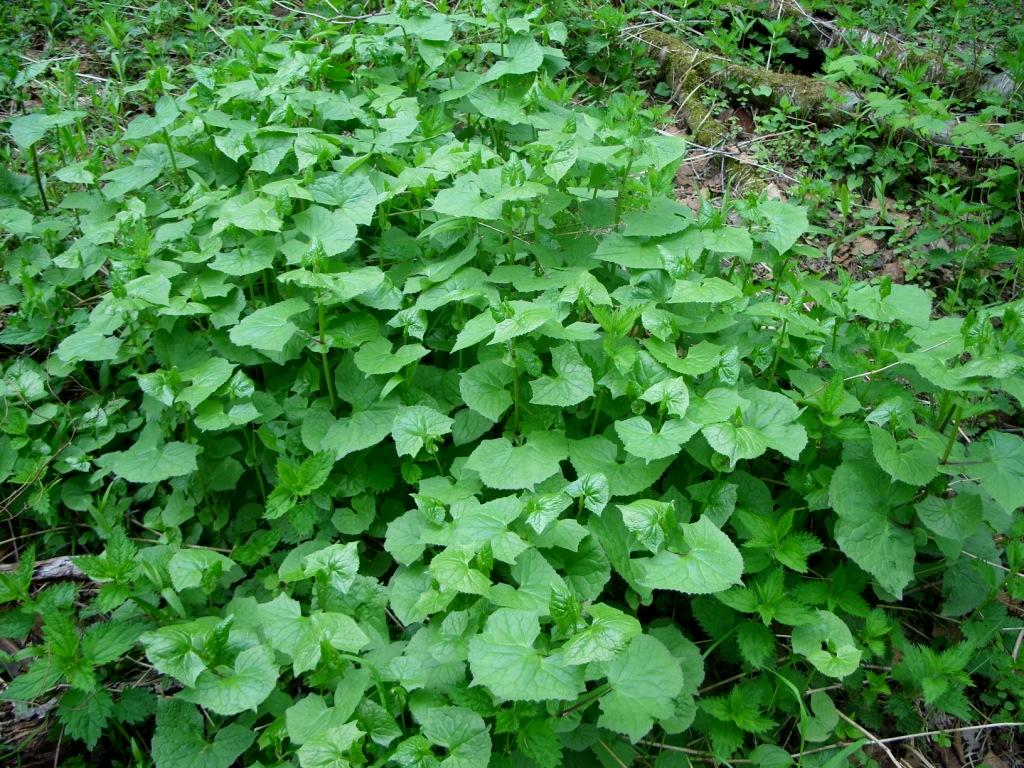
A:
(865, 246)
(992, 760)
(894, 270)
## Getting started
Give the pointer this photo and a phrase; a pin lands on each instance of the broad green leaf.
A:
(16, 221)
(477, 525)
(188, 568)
(301, 479)
(243, 261)
(670, 394)
(910, 461)
(269, 328)
(503, 659)
(526, 317)
(462, 733)
(706, 290)
(952, 520)
(175, 649)
(641, 440)
(756, 644)
(336, 287)
(333, 230)
(572, 384)
(89, 345)
(592, 491)
(300, 637)
(505, 466)
(904, 303)
(628, 252)
(107, 641)
(563, 157)
(609, 632)
(147, 462)
(828, 645)
(179, 741)
(484, 388)
(712, 563)
(76, 173)
(1000, 467)
(144, 126)
(599, 456)
(352, 197)
(647, 520)
(256, 215)
(543, 509)
(154, 289)
(865, 532)
(310, 717)
(337, 565)
(331, 748)
(376, 357)
(147, 166)
(40, 678)
(522, 56)
(26, 130)
(249, 682)
(736, 441)
(694, 361)
(475, 330)
(363, 429)
(453, 569)
(663, 217)
(206, 378)
(786, 223)
(644, 682)
(416, 426)
(732, 240)
(766, 420)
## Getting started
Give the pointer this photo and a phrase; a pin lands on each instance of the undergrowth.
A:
(392, 411)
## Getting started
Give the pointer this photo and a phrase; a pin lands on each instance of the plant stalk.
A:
(39, 178)
(321, 319)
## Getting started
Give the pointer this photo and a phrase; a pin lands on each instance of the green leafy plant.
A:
(395, 413)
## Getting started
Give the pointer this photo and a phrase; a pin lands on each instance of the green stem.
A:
(945, 411)
(147, 607)
(597, 412)
(39, 178)
(378, 681)
(515, 390)
(252, 457)
(952, 435)
(721, 639)
(174, 159)
(586, 699)
(622, 190)
(321, 316)
(778, 352)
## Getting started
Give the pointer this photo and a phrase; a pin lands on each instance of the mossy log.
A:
(688, 69)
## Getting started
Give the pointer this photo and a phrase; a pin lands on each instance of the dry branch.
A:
(688, 69)
(52, 569)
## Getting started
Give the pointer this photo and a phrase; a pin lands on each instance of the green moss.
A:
(688, 68)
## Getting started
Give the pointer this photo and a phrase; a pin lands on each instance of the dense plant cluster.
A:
(397, 414)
